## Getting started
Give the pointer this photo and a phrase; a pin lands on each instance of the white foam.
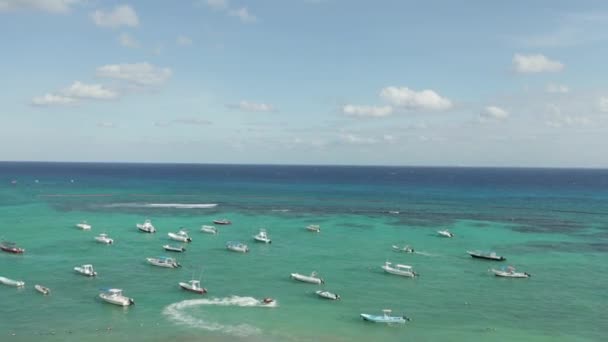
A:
(163, 205)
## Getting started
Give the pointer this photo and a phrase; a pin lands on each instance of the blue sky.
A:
(519, 83)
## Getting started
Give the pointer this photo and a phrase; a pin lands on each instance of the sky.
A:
(387, 82)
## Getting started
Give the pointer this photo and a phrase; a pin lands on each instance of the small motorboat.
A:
(181, 236)
(267, 301)
(315, 228)
(385, 317)
(164, 262)
(103, 238)
(11, 282)
(398, 269)
(11, 247)
(170, 248)
(86, 270)
(262, 236)
(404, 249)
(209, 229)
(146, 227)
(313, 278)
(193, 286)
(115, 296)
(445, 233)
(83, 225)
(327, 295)
(486, 255)
(222, 221)
(237, 246)
(42, 289)
(509, 272)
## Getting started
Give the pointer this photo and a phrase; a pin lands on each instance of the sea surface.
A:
(552, 223)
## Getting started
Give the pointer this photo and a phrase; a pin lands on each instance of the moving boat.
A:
(11, 282)
(328, 295)
(385, 317)
(262, 236)
(398, 269)
(404, 249)
(222, 221)
(146, 227)
(509, 272)
(83, 225)
(313, 278)
(103, 238)
(237, 246)
(267, 301)
(182, 236)
(86, 270)
(486, 255)
(313, 228)
(193, 286)
(209, 229)
(42, 289)
(178, 249)
(164, 262)
(445, 233)
(11, 247)
(115, 296)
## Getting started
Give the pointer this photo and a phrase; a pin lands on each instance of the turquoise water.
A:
(556, 231)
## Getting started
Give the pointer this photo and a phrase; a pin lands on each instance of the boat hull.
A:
(13, 250)
(222, 222)
(503, 274)
(42, 289)
(179, 238)
(262, 240)
(327, 295)
(117, 300)
(399, 272)
(187, 287)
(163, 264)
(487, 257)
(174, 249)
(383, 319)
(307, 279)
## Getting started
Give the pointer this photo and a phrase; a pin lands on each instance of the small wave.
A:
(163, 205)
(280, 210)
(425, 253)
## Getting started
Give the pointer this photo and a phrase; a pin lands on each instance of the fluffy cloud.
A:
(495, 113)
(122, 15)
(367, 111)
(248, 106)
(556, 118)
(411, 99)
(142, 74)
(557, 88)
(535, 63)
(602, 104)
(52, 100)
(89, 91)
(127, 40)
(52, 6)
(243, 14)
(183, 41)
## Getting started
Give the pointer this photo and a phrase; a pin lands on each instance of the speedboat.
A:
(404, 249)
(328, 295)
(313, 278)
(42, 289)
(103, 238)
(209, 229)
(222, 221)
(11, 247)
(115, 296)
(486, 255)
(398, 269)
(385, 317)
(83, 225)
(11, 282)
(445, 233)
(262, 236)
(509, 272)
(313, 228)
(180, 236)
(86, 270)
(237, 246)
(164, 262)
(146, 227)
(193, 286)
(267, 301)
(171, 248)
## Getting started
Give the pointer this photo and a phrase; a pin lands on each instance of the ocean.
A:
(551, 223)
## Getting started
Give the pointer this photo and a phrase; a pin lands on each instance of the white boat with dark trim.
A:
(315, 228)
(115, 296)
(103, 238)
(222, 221)
(193, 286)
(209, 229)
(164, 262)
(83, 225)
(262, 236)
(42, 289)
(385, 317)
(445, 233)
(170, 248)
(313, 278)
(486, 255)
(181, 236)
(11, 282)
(404, 249)
(509, 272)
(398, 269)
(236, 246)
(146, 227)
(327, 295)
(86, 270)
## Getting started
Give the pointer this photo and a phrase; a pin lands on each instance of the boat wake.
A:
(163, 205)
(425, 254)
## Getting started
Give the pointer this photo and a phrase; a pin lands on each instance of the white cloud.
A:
(106, 124)
(51, 6)
(557, 88)
(243, 14)
(52, 100)
(183, 41)
(183, 121)
(367, 111)
(493, 112)
(557, 118)
(603, 104)
(411, 99)
(248, 106)
(123, 15)
(217, 4)
(127, 40)
(354, 139)
(89, 91)
(535, 63)
(143, 74)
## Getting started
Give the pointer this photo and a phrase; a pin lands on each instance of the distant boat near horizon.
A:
(84, 225)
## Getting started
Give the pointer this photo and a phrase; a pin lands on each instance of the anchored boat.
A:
(178, 249)
(11, 247)
(385, 317)
(164, 262)
(181, 236)
(404, 249)
(222, 221)
(262, 236)
(445, 233)
(193, 286)
(398, 269)
(209, 229)
(86, 270)
(486, 255)
(42, 289)
(315, 228)
(236, 246)
(146, 227)
(83, 225)
(509, 272)
(115, 296)
(327, 295)
(103, 238)
(313, 278)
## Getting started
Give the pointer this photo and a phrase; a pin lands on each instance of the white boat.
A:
(509, 272)
(115, 296)
(193, 286)
(237, 246)
(146, 227)
(385, 317)
(171, 248)
(164, 262)
(86, 270)
(404, 249)
(398, 269)
(103, 238)
(222, 221)
(313, 228)
(83, 225)
(181, 236)
(313, 278)
(262, 236)
(11, 282)
(445, 233)
(209, 229)
(328, 295)
(42, 289)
